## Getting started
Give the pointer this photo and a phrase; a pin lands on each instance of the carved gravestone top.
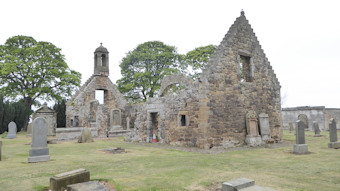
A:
(332, 131)
(316, 129)
(12, 130)
(300, 132)
(251, 123)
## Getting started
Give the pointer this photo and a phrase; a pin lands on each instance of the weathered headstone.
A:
(115, 119)
(39, 151)
(253, 138)
(291, 127)
(300, 147)
(59, 182)
(12, 130)
(0, 149)
(86, 136)
(237, 184)
(264, 126)
(333, 135)
(316, 129)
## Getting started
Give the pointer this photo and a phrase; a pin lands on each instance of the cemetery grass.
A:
(155, 167)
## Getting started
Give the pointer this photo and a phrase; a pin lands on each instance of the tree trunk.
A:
(28, 103)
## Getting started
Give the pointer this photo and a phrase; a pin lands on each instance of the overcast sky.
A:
(300, 38)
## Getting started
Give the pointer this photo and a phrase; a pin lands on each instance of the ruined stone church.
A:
(236, 100)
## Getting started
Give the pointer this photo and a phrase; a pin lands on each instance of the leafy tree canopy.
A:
(197, 59)
(143, 69)
(31, 70)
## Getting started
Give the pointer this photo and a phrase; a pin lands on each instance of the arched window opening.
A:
(103, 60)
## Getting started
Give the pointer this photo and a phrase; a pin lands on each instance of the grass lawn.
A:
(146, 167)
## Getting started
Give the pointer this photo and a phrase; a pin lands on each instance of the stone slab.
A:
(332, 131)
(237, 184)
(41, 158)
(334, 145)
(257, 188)
(59, 182)
(87, 186)
(254, 140)
(73, 133)
(300, 149)
(300, 132)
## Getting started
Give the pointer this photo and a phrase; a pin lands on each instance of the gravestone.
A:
(264, 126)
(115, 119)
(300, 147)
(87, 186)
(12, 130)
(50, 116)
(59, 182)
(0, 149)
(253, 138)
(291, 127)
(333, 135)
(86, 136)
(316, 129)
(39, 151)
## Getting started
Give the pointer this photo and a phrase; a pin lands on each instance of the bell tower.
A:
(101, 61)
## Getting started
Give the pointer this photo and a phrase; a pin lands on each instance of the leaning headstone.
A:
(300, 147)
(333, 135)
(86, 136)
(12, 130)
(316, 129)
(39, 151)
(264, 126)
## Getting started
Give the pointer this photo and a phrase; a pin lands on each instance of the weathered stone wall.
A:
(320, 114)
(210, 112)
(88, 111)
(291, 115)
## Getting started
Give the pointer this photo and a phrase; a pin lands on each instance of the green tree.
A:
(197, 59)
(30, 70)
(21, 112)
(143, 69)
(60, 109)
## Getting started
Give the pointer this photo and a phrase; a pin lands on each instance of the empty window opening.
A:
(245, 74)
(103, 60)
(100, 96)
(95, 60)
(71, 122)
(183, 120)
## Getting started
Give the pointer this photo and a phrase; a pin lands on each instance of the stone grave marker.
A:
(60, 181)
(291, 127)
(333, 135)
(87, 186)
(300, 147)
(253, 138)
(12, 130)
(39, 151)
(316, 129)
(264, 126)
(0, 149)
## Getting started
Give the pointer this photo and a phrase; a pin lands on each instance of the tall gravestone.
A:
(316, 129)
(39, 151)
(264, 126)
(12, 130)
(333, 135)
(253, 138)
(300, 147)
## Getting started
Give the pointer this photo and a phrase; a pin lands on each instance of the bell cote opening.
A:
(101, 61)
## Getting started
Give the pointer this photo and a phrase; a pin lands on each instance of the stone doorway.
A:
(153, 126)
